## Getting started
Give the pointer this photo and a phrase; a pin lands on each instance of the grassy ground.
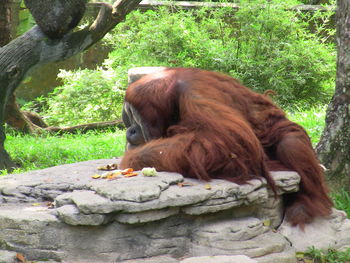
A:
(314, 255)
(37, 152)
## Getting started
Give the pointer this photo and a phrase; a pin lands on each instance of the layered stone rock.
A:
(161, 219)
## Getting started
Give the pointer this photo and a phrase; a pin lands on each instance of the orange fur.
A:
(206, 125)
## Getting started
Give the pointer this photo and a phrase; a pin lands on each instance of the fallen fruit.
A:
(149, 172)
(127, 171)
(130, 175)
(108, 167)
(111, 176)
(207, 186)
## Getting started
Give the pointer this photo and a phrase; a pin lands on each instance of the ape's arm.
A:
(163, 154)
(196, 155)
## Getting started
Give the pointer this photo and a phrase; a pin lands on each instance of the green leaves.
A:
(265, 45)
(86, 96)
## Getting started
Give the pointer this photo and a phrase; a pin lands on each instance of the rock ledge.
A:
(145, 219)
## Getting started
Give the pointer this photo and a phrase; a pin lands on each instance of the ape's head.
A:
(137, 132)
(151, 106)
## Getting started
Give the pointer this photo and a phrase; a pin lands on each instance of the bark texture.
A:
(13, 115)
(23, 121)
(5, 37)
(34, 48)
(5, 19)
(56, 17)
(334, 146)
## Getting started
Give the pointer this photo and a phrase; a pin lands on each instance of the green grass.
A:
(37, 152)
(328, 256)
(341, 200)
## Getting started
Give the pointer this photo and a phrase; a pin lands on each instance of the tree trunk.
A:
(18, 119)
(5, 37)
(334, 146)
(34, 48)
(5, 160)
(13, 115)
(5, 19)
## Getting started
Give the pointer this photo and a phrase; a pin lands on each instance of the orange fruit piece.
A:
(130, 175)
(127, 171)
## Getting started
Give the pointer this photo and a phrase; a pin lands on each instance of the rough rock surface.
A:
(323, 233)
(7, 256)
(145, 219)
(221, 259)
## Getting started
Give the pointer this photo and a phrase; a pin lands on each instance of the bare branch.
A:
(86, 127)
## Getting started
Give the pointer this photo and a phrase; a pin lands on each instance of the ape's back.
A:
(207, 125)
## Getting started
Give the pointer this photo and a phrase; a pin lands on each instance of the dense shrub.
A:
(86, 96)
(264, 46)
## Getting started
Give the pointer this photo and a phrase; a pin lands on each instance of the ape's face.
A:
(137, 132)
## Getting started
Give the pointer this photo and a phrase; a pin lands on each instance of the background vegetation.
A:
(87, 96)
(46, 150)
(265, 44)
(270, 48)
(289, 52)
